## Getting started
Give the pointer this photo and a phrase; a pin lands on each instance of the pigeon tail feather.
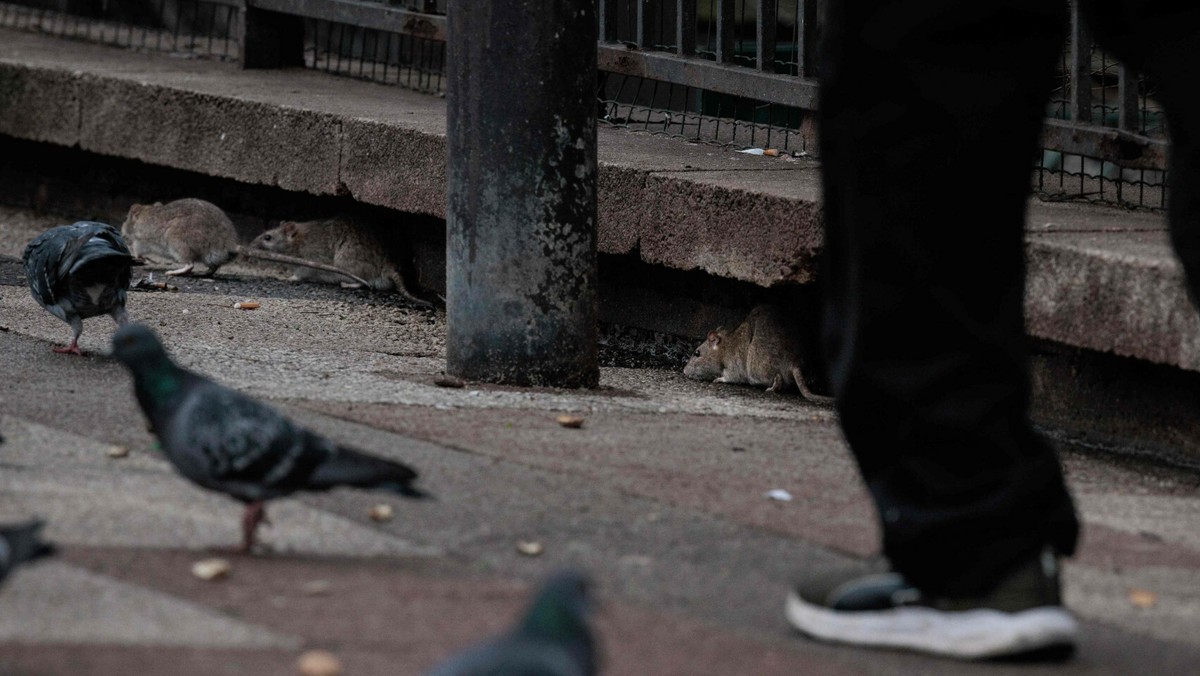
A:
(349, 467)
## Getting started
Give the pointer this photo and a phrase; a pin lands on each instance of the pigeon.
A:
(228, 442)
(552, 639)
(19, 543)
(79, 271)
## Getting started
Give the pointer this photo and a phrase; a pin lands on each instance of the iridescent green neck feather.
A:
(550, 619)
(160, 379)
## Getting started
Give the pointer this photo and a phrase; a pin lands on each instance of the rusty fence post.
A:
(521, 216)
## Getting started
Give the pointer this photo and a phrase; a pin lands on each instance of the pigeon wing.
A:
(225, 440)
(42, 258)
(55, 255)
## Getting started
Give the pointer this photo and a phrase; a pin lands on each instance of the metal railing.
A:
(196, 28)
(737, 72)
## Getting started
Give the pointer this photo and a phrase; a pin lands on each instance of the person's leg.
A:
(1162, 39)
(930, 114)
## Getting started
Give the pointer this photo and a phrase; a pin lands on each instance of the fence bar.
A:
(1081, 68)
(725, 31)
(608, 20)
(361, 14)
(1127, 99)
(685, 27)
(1130, 150)
(642, 35)
(785, 90)
(768, 12)
(810, 15)
(521, 217)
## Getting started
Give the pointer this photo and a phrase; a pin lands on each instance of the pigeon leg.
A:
(185, 270)
(73, 348)
(256, 513)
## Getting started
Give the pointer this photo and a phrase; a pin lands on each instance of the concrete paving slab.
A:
(372, 352)
(644, 151)
(1165, 517)
(401, 618)
(1150, 601)
(54, 602)
(90, 498)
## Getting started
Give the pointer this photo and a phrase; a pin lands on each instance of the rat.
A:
(344, 243)
(187, 231)
(195, 231)
(765, 349)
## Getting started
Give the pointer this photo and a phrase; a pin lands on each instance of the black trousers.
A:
(930, 115)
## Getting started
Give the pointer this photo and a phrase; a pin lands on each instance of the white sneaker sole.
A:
(969, 634)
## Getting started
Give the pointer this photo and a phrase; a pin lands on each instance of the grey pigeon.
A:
(79, 271)
(19, 543)
(228, 442)
(552, 639)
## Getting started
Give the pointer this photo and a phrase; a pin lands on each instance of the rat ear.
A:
(294, 232)
(158, 204)
(714, 337)
(136, 209)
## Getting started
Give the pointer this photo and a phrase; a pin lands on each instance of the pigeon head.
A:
(560, 609)
(156, 378)
(135, 344)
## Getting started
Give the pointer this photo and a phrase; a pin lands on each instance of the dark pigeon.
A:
(228, 442)
(79, 271)
(19, 543)
(552, 639)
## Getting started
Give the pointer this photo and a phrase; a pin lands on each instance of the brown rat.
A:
(187, 231)
(341, 242)
(765, 349)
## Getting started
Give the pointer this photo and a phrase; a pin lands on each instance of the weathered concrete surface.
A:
(40, 105)
(212, 134)
(1109, 285)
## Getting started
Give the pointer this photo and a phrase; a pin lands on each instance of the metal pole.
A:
(521, 218)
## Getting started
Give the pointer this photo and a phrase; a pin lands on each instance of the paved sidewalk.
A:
(661, 496)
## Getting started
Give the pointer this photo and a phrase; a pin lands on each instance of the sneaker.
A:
(1022, 617)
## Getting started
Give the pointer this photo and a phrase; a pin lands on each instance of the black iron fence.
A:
(200, 28)
(734, 72)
